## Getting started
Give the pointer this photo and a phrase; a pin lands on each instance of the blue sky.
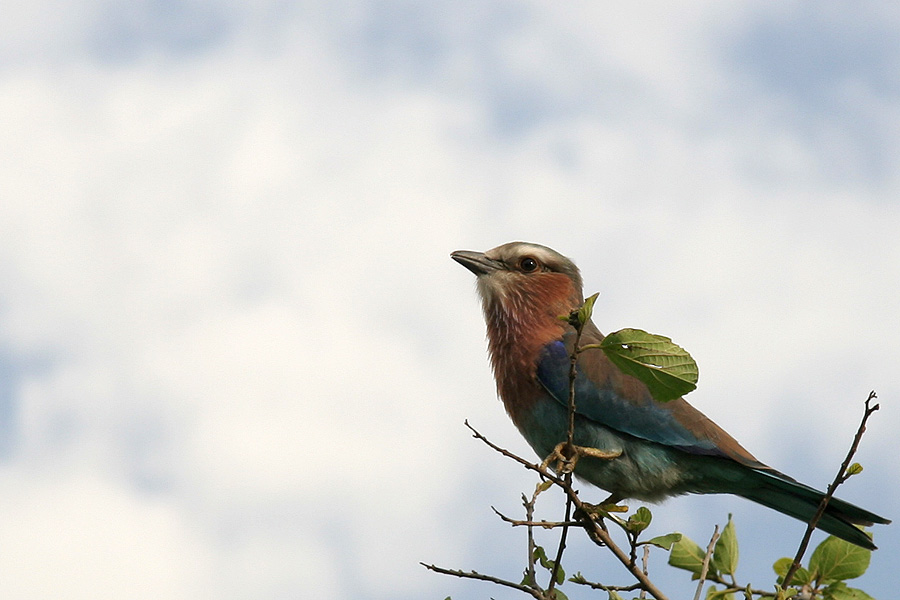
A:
(235, 357)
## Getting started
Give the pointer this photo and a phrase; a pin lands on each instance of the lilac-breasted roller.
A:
(664, 449)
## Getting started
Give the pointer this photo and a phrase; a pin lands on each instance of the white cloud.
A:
(79, 537)
(235, 323)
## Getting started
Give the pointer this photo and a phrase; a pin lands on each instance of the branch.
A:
(529, 523)
(731, 587)
(528, 465)
(595, 531)
(475, 575)
(646, 570)
(705, 568)
(580, 580)
(570, 451)
(840, 478)
(562, 541)
(530, 576)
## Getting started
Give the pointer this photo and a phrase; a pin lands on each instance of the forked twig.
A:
(596, 530)
(481, 577)
(840, 478)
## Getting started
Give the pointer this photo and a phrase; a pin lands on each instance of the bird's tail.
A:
(781, 493)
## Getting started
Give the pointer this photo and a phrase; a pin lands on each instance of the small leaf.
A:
(840, 591)
(836, 560)
(543, 486)
(558, 594)
(666, 368)
(541, 557)
(640, 520)
(614, 595)
(586, 310)
(854, 469)
(725, 556)
(687, 555)
(664, 541)
(801, 577)
(548, 564)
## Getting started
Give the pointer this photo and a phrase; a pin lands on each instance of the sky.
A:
(236, 358)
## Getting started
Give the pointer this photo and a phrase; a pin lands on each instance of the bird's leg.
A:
(566, 464)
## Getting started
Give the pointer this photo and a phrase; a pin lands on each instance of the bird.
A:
(643, 449)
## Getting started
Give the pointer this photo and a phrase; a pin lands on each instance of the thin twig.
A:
(734, 588)
(706, 558)
(530, 576)
(580, 580)
(531, 523)
(570, 447)
(475, 575)
(840, 478)
(528, 465)
(562, 542)
(646, 561)
(596, 531)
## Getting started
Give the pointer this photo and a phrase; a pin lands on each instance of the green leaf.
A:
(640, 520)
(541, 557)
(801, 577)
(577, 578)
(581, 315)
(587, 309)
(687, 555)
(614, 595)
(854, 469)
(725, 556)
(548, 564)
(664, 541)
(713, 594)
(543, 486)
(836, 560)
(665, 367)
(840, 591)
(558, 594)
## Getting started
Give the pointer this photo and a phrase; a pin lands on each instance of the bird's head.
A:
(523, 286)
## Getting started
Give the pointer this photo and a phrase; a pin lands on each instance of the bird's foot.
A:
(566, 456)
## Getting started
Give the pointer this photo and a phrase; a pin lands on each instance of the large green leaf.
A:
(664, 366)
(687, 555)
(665, 541)
(725, 555)
(837, 560)
(840, 591)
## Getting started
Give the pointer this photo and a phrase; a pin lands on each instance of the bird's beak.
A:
(476, 262)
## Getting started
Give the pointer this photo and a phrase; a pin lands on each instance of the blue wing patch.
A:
(642, 417)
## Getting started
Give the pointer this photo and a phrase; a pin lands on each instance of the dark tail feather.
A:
(781, 493)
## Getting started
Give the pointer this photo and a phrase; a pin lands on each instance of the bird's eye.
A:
(528, 264)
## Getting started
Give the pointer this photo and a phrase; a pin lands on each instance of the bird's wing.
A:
(606, 395)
